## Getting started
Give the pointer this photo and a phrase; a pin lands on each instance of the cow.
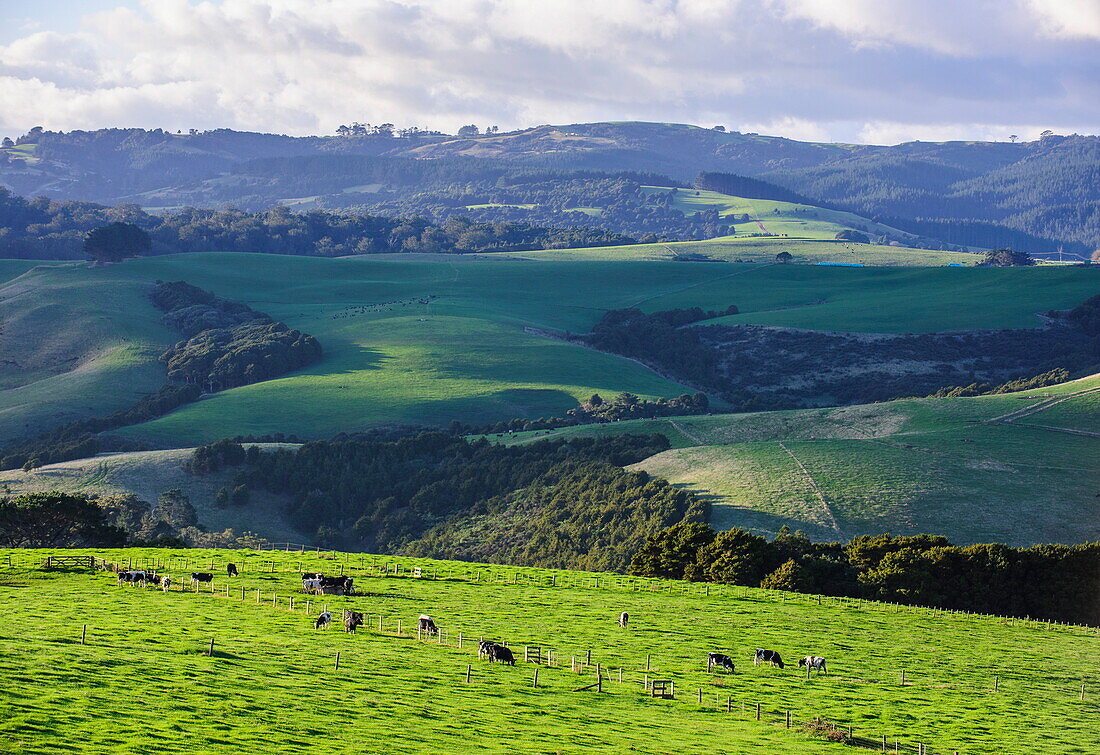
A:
(427, 624)
(815, 662)
(502, 654)
(352, 619)
(201, 576)
(323, 620)
(231, 570)
(311, 586)
(719, 659)
(767, 656)
(483, 647)
(344, 584)
(166, 583)
(312, 575)
(624, 617)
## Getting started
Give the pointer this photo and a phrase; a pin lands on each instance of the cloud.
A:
(820, 69)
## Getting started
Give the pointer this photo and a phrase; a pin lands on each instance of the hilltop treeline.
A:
(43, 228)
(1044, 581)
(751, 188)
(566, 502)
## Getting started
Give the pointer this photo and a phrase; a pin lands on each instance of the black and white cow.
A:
(720, 659)
(323, 620)
(312, 575)
(201, 576)
(483, 647)
(231, 570)
(166, 583)
(352, 620)
(815, 662)
(501, 654)
(427, 624)
(624, 617)
(767, 656)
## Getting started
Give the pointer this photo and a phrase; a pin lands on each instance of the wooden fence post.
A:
(996, 683)
(210, 652)
(588, 658)
(84, 634)
(729, 704)
(758, 711)
(468, 673)
(699, 695)
(257, 596)
(460, 640)
(788, 719)
(336, 667)
(535, 683)
(647, 668)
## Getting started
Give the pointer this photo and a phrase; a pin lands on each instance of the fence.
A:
(540, 655)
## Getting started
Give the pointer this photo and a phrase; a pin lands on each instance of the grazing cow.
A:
(343, 584)
(815, 662)
(312, 575)
(311, 586)
(483, 648)
(427, 624)
(352, 619)
(624, 617)
(767, 656)
(231, 570)
(201, 577)
(323, 620)
(718, 659)
(501, 654)
(166, 583)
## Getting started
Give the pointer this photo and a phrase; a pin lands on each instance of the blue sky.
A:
(876, 71)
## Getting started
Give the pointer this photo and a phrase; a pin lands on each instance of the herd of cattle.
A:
(317, 584)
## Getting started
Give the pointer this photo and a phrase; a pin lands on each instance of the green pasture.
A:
(426, 339)
(772, 216)
(918, 465)
(759, 250)
(75, 342)
(143, 682)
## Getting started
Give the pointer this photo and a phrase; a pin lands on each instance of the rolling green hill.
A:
(427, 339)
(992, 468)
(1010, 685)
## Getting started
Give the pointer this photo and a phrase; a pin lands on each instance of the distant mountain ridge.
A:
(1047, 188)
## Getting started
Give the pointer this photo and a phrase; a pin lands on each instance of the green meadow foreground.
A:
(427, 338)
(142, 681)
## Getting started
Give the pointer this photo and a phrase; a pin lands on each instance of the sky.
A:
(867, 71)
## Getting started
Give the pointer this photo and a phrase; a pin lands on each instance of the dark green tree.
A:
(784, 257)
(175, 508)
(672, 553)
(55, 520)
(1007, 258)
(116, 242)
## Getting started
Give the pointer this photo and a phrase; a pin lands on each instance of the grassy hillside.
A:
(772, 216)
(428, 339)
(147, 474)
(75, 342)
(761, 249)
(271, 682)
(949, 466)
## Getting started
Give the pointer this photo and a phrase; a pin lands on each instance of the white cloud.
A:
(1068, 18)
(814, 69)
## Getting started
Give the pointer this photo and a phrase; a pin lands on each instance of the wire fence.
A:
(653, 682)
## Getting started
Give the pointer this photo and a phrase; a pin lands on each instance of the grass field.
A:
(771, 216)
(427, 339)
(761, 250)
(142, 681)
(920, 465)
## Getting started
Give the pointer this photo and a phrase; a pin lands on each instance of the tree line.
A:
(403, 495)
(43, 228)
(1055, 582)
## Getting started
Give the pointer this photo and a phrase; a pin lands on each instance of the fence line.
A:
(579, 580)
(878, 742)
